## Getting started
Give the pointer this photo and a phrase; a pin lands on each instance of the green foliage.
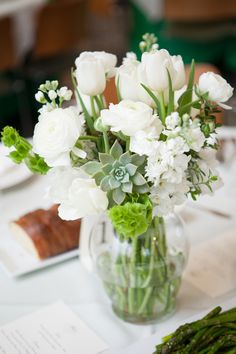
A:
(185, 101)
(23, 151)
(133, 218)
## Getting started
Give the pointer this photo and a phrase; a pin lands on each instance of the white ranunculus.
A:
(55, 135)
(218, 89)
(92, 69)
(178, 79)
(76, 192)
(153, 69)
(127, 117)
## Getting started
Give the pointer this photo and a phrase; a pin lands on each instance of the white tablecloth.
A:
(81, 291)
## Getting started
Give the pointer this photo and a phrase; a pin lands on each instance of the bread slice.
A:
(44, 234)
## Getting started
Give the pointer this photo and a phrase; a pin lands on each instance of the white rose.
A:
(218, 89)
(153, 69)
(92, 70)
(127, 117)
(55, 135)
(77, 194)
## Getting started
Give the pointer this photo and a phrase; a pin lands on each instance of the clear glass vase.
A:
(141, 275)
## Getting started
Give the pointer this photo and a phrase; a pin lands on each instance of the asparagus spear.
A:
(214, 333)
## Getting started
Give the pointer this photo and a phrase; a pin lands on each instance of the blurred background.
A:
(40, 39)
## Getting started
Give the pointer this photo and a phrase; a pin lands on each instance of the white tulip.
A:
(218, 89)
(76, 192)
(179, 77)
(92, 70)
(127, 79)
(153, 69)
(127, 117)
(56, 134)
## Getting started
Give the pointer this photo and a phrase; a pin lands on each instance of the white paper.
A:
(52, 330)
(212, 265)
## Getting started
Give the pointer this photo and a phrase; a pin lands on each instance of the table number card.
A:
(212, 265)
(52, 330)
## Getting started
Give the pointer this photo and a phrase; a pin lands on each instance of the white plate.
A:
(10, 173)
(16, 261)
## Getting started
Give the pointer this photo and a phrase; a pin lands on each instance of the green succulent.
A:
(118, 173)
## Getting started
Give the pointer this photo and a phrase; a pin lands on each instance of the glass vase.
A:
(141, 275)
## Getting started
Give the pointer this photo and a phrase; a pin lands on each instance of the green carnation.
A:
(131, 219)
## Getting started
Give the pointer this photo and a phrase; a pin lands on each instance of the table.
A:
(70, 282)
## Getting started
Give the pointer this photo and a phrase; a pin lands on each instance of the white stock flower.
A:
(92, 70)
(65, 93)
(76, 192)
(153, 70)
(168, 161)
(218, 89)
(55, 135)
(52, 94)
(173, 120)
(145, 141)
(167, 195)
(194, 137)
(39, 96)
(127, 117)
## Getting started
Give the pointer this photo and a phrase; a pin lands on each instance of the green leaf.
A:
(98, 177)
(107, 168)
(141, 189)
(105, 185)
(116, 150)
(131, 169)
(92, 167)
(127, 187)
(114, 183)
(186, 97)
(118, 195)
(137, 159)
(138, 179)
(125, 158)
(155, 99)
(170, 107)
(105, 158)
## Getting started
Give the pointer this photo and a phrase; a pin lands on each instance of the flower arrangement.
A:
(137, 159)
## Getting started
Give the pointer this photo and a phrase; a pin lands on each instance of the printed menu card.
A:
(54, 329)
